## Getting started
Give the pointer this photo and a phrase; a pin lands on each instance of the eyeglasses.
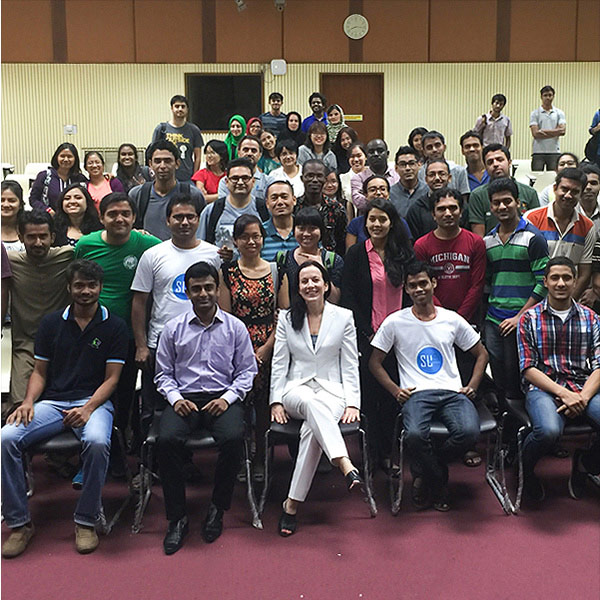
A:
(238, 178)
(182, 218)
(380, 188)
(410, 163)
(255, 237)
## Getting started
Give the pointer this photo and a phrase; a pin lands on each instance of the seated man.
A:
(423, 338)
(79, 354)
(559, 357)
(205, 366)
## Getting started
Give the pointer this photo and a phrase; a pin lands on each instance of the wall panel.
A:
(26, 31)
(588, 30)
(111, 104)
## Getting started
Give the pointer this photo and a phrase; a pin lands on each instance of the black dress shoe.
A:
(213, 524)
(353, 480)
(176, 531)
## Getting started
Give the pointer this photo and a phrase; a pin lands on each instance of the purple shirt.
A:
(192, 358)
(358, 179)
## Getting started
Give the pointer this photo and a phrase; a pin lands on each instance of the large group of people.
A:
(298, 274)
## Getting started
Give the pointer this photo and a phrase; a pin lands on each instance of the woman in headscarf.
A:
(254, 127)
(335, 121)
(292, 130)
(237, 130)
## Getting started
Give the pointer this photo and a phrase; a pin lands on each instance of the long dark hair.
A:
(75, 169)
(120, 171)
(337, 145)
(298, 305)
(89, 223)
(398, 251)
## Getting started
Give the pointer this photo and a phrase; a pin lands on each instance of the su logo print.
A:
(430, 360)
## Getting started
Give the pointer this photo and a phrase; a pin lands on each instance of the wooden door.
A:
(360, 95)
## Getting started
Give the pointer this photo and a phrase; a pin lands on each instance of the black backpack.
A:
(144, 200)
(217, 211)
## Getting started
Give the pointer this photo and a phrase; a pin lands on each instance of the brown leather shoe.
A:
(17, 541)
(86, 539)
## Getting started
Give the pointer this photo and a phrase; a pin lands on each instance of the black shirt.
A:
(77, 359)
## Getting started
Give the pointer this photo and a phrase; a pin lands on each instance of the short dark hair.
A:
(115, 197)
(405, 150)
(186, 199)
(573, 156)
(200, 270)
(414, 267)
(179, 98)
(91, 153)
(317, 127)
(276, 96)
(467, 134)
(221, 149)
(572, 173)
(252, 138)
(494, 148)
(241, 161)
(310, 216)
(587, 168)
(278, 181)
(430, 135)
(446, 192)
(317, 162)
(243, 221)
(437, 160)
(561, 261)
(86, 269)
(499, 98)
(370, 178)
(34, 217)
(547, 88)
(286, 144)
(317, 95)
(503, 184)
(162, 144)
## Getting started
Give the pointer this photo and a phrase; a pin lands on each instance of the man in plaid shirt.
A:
(559, 356)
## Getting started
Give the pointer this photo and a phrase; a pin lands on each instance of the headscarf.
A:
(232, 141)
(333, 130)
(252, 120)
(298, 136)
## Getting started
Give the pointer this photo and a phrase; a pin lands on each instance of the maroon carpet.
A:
(339, 552)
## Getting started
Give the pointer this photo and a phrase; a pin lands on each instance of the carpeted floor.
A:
(339, 552)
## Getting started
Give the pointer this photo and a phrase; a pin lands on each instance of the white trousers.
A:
(321, 412)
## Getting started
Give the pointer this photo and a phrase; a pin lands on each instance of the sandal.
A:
(287, 523)
(472, 458)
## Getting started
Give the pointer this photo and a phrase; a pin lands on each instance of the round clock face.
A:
(356, 27)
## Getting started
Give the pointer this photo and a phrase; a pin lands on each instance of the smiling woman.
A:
(99, 184)
(76, 215)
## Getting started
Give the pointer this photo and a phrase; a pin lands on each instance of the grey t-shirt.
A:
(186, 138)
(155, 219)
(224, 226)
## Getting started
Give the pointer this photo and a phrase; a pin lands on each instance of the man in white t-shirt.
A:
(423, 338)
(160, 274)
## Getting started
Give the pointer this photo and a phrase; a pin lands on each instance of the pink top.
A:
(386, 298)
(98, 192)
(209, 179)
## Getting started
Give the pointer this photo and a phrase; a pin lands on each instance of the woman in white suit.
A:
(315, 378)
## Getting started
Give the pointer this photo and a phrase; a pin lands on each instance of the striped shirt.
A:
(274, 243)
(515, 270)
(575, 242)
(566, 352)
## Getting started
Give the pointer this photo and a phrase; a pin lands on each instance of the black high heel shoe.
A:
(354, 480)
(287, 523)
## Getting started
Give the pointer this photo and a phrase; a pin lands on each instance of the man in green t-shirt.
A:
(117, 249)
(496, 158)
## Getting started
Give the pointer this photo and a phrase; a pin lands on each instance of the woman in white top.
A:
(290, 171)
(314, 377)
(357, 157)
(317, 146)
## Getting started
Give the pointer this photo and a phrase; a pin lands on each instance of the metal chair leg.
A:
(523, 431)
(395, 474)
(145, 487)
(256, 521)
(367, 473)
(267, 481)
(495, 455)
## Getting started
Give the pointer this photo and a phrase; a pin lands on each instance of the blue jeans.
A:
(548, 425)
(460, 417)
(48, 422)
(504, 360)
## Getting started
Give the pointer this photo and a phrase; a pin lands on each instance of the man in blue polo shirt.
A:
(79, 354)
(280, 226)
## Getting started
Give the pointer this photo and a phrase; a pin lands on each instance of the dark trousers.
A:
(174, 430)
(152, 401)
(125, 393)
(541, 160)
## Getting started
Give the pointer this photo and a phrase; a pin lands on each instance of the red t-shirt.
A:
(209, 179)
(459, 266)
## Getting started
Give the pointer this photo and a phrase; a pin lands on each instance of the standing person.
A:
(595, 131)
(317, 103)
(565, 160)
(315, 378)
(345, 138)
(471, 148)
(372, 288)
(559, 359)
(39, 268)
(290, 171)
(317, 146)
(547, 124)
(207, 179)
(160, 276)
(377, 164)
(494, 127)
(405, 192)
(64, 170)
(517, 254)
(237, 130)
(357, 159)
(79, 354)
(314, 175)
(152, 197)
(118, 249)
(185, 135)
(76, 215)
(423, 338)
(335, 121)
(414, 141)
(568, 232)
(11, 208)
(207, 394)
(99, 184)
(292, 129)
(268, 161)
(254, 127)
(274, 119)
(129, 171)
(279, 228)
(252, 292)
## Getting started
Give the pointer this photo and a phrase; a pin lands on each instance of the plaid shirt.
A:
(566, 352)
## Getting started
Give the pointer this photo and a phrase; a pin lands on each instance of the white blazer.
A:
(332, 363)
